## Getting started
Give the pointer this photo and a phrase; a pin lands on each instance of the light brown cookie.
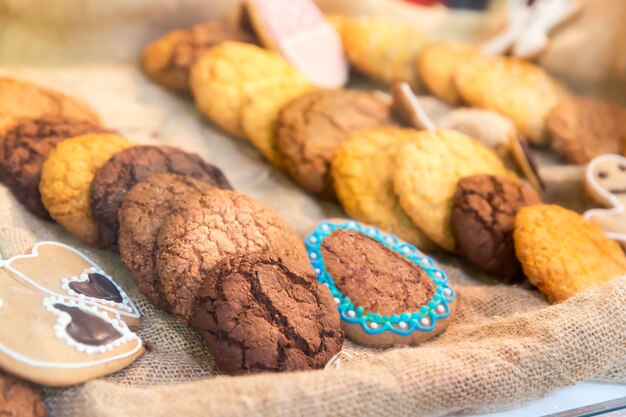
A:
(562, 253)
(311, 127)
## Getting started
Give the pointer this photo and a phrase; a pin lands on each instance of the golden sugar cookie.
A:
(382, 49)
(362, 169)
(20, 99)
(225, 77)
(66, 177)
(519, 90)
(426, 172)
(260, 113)
(562, 253)
(436, 65)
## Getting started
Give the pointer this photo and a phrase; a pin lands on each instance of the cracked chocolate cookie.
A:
(258, 313)
(24, 149)
(483, 217)
(168, 60)
(19, 398)
(119, 174)
(312, 127)
(205, 228)
(143, 211)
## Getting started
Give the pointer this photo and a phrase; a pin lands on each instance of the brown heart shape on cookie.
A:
(388, 292)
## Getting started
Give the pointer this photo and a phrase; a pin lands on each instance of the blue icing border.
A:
(403, 324)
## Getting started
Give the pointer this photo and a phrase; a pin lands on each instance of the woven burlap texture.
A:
(505, 347)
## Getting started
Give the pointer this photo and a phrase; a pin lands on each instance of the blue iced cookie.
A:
(388, 292)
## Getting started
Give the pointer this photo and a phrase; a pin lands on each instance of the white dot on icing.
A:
(425, 321)
(402, 325)
(447, 291)
(317, 270)
(313, 255)
(441, 308)
(374, 325)
(313, 239)
(337, 301)
(351, 313)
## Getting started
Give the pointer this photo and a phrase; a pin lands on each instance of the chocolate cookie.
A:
(483, 216)
(24, 149)
(19, 398)
(583, 128)
(125, 169)
(258, 313)
(144, 209)
(205, 228)
(312, 127)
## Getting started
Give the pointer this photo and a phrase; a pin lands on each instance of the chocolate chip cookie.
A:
(258, 313)
(19, 398)
(206, 227)
(312, 127)
(144, 209)
(483, 217)
(120, 173)
(24, 149)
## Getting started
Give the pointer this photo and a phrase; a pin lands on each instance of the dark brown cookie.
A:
(143, 211)
(119, 174)
(311, 128)
(483, 215)
(583, 128)
(373, 276)
(19, 398)
(25, 148)
(205, 228)
(258, 313)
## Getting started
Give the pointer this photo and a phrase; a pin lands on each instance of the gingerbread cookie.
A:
(24, 149)
(605, 181)
(258, 313)
(229, 73)
(74, 311)
(387, 292)
(427, 170)
(362, 171)
(305, 38)
(583, 128)
(516, 89)
(66, 177)
(436, 65)
(19, 398)
(311, 127)
(205, 228)
(119, 174)
(562, 253)
(144, 209)
(168, 60)
(483, 216)
(23, 100)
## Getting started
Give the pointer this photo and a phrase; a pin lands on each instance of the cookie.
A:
(260, 112)
(126, 168)
(562, 253)
(426, 172)
(74, 311)
(436, 65)
(19, 398)
(305, 38)
(311, 127)
(66, 177)
(228, 74)
(387, 292)
(258, 313)
(379, 48)
(583, 128)
(605, 182)
(205, 228)
(516, 89)
(168, 60)
(362, 171)
(144, 209)
(26, 146)
(483, 216)
(23, 100)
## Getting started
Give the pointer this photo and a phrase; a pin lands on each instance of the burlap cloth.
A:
(505, 347)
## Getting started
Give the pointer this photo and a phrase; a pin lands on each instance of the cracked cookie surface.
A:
(19, 398)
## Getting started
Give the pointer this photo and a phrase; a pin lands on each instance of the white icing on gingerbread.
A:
(605, 177)
(411, 106)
